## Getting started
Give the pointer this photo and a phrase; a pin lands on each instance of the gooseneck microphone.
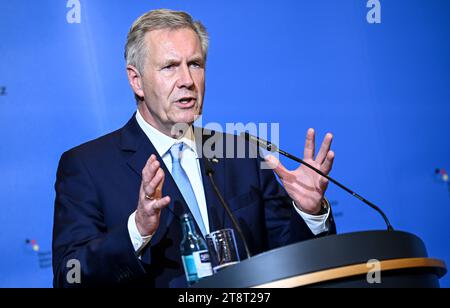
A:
(210, 174)
(273, 148)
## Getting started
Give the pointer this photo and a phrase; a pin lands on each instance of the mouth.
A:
(186, 102)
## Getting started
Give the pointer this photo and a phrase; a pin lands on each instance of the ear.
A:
(135, 80)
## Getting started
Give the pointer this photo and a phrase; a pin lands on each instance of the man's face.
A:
(173, 80)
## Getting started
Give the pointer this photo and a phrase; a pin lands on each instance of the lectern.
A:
(337, 261)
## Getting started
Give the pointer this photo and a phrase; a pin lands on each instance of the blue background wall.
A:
(382, 89)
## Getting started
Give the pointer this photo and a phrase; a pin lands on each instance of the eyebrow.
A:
(170, 61)
(196, 59)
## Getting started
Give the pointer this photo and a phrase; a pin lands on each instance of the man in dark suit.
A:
(119, 197)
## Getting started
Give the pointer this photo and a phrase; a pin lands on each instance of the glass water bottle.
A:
(194, 252)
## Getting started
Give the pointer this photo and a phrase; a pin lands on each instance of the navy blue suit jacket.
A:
(97, 188)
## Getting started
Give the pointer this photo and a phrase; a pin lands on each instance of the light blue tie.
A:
(184, 185)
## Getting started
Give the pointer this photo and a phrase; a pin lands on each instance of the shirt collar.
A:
(162, 142)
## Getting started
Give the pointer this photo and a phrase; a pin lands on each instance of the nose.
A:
(185, 79)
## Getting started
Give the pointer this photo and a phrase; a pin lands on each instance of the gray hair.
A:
(136, 49)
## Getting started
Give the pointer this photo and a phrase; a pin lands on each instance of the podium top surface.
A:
(318, 255)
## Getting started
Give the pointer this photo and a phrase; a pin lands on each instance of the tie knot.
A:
(175, 152)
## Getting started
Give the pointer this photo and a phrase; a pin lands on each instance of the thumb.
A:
(277, 167)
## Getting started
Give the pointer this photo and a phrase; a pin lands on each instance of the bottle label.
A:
(202, 263)
(190, 269)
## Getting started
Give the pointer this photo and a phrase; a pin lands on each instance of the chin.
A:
(187, 118)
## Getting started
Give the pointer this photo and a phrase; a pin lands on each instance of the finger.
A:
(328, 163)
(326, 168)
(277, 167)
(151, 159)
(324, 148)
(158, 190)
(150, 187)
(161, 203)
(309, 144)
(148, 166)
(155, 206)
(150, 169)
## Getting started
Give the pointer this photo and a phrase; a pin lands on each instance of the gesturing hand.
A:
(150, 201)
(305, 186)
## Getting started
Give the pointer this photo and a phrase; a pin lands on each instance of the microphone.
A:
(210, 174)
(273, 148)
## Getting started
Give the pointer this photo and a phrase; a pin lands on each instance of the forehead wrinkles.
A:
(174, 43)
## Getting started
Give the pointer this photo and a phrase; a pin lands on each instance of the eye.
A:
(169, 67)
(196, 65)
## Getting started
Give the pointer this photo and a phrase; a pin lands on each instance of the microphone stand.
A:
(210, 173)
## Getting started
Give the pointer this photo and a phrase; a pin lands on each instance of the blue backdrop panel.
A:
(382, 89)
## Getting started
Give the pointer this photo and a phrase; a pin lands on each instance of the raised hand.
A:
(305, 186)
(150, 201)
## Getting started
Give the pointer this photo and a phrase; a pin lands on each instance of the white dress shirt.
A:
(191, 165)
